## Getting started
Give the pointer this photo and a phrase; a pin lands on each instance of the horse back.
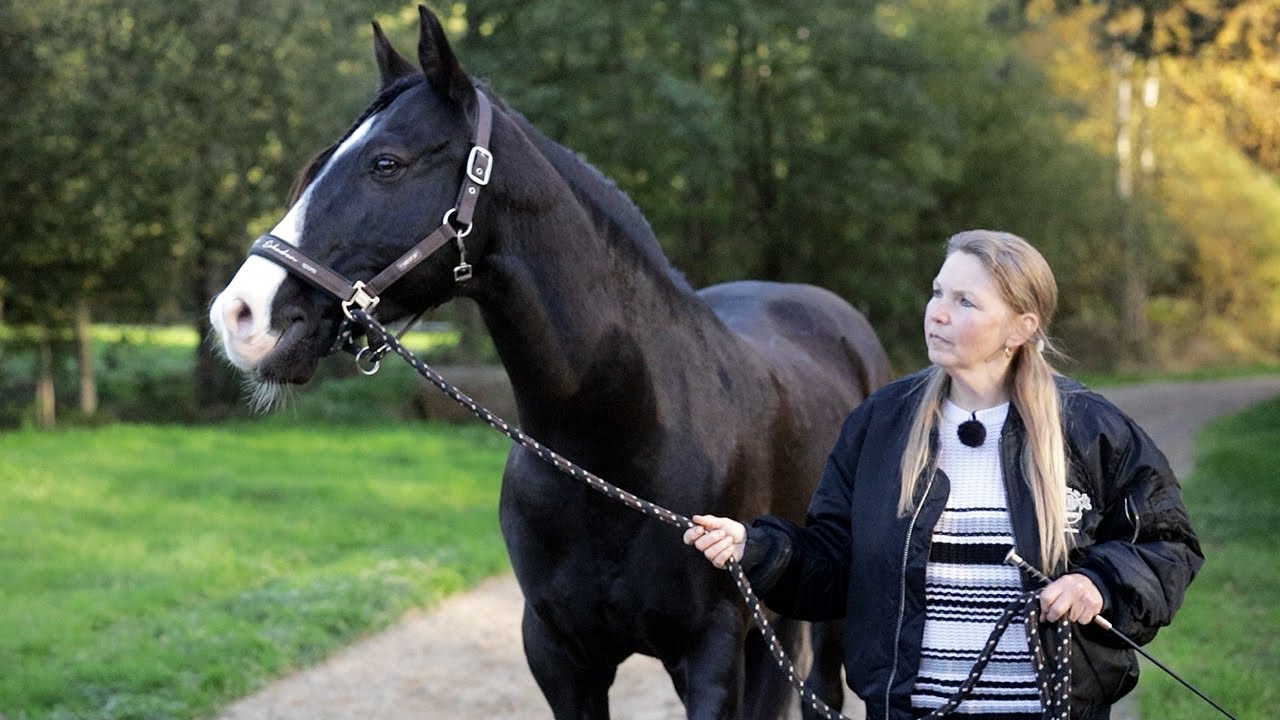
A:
(806, 331)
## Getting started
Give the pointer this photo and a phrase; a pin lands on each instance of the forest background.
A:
(144, 143)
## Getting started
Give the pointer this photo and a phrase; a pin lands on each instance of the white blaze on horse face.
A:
(241, 314)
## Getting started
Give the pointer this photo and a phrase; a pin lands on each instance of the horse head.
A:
(359, 207)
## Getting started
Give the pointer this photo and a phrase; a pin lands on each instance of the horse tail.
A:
(766, 690)
(827, 642)
(817, 646)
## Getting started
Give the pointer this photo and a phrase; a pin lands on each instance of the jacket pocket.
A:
(1100, 675)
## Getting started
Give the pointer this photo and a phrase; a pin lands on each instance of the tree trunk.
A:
(1135, 330)
(84, 347)
(46, 414)
(1139, 241)
(1150, 98)
(1124, 127)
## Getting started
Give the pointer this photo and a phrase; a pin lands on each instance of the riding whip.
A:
(1016, 560)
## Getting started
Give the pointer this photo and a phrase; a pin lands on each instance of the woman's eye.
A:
(935, 293)
(965, 302)
(386, 166)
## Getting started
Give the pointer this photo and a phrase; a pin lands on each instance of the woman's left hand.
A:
(1072, 596)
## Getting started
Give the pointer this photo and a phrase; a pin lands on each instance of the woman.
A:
(935, 476)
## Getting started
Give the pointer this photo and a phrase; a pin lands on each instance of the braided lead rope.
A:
(1057, 705)
(567, 467)
(775, 646)
(375, 329)
(1053, 665)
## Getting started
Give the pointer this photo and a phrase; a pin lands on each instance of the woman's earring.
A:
(1008, 352)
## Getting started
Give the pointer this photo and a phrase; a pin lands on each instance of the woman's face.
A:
(966, 323)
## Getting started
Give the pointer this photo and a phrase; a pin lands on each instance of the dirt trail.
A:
(464, 658)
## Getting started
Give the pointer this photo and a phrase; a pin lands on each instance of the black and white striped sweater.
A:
(967, 583)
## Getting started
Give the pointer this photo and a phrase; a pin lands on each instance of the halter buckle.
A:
(479, 165)
(360, 297)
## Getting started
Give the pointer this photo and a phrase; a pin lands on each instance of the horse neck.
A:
(583, 307)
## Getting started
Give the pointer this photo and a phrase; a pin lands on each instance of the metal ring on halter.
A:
(367, 354)
(461, 233)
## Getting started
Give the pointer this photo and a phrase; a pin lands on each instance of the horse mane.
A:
(385, 97)
(608, 204)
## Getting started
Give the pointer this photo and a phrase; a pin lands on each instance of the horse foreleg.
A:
(575, 688)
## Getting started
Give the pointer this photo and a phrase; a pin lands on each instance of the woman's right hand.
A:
(720, 539)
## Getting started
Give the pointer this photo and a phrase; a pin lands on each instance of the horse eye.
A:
(386, 166)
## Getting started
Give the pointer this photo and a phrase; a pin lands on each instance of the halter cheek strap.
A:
(455, 225)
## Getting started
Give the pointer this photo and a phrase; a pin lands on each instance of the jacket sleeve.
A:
(803, 572)
(1145, 553)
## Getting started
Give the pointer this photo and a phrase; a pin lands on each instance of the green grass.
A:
(1226, 638)
(160, 572)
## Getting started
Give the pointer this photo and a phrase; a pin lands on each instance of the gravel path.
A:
(464, 658)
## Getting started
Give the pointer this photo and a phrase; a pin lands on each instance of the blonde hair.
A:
(1026, 284)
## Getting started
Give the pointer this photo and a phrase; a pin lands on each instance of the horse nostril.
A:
(239, 318)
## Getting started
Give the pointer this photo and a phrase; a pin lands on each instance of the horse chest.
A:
(628, 597)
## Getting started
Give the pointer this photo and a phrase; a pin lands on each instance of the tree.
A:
(1141, 37)
(1232, 84)
(829, 142)
(166, 132)
(1213, 212)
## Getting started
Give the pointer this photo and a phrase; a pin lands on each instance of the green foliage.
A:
(821, 142)
(144, 374)
(160, 573)
(827, 142)
(1225, 637)
(1229, 211)
(1206, 213)
(163, 132)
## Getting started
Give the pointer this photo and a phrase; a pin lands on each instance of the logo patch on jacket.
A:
(1077, 503)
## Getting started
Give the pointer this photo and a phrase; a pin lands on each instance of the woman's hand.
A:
(1072, 596)
(720, 539)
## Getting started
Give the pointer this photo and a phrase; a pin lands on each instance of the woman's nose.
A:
(936, 311)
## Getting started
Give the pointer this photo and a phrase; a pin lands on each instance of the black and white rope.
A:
(1028, 603)
(1052, 669)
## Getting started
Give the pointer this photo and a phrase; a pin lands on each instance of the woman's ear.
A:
(1025, 327)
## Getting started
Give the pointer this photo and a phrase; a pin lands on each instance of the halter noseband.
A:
(455, 226)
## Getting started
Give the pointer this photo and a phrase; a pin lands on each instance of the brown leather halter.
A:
(455, 226)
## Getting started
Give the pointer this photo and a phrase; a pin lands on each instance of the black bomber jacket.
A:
(856, 559)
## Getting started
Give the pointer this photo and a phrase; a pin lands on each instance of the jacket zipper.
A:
(1009, 489)
(902, 591)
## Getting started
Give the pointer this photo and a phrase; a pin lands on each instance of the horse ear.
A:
(438, 62)
(391, 65)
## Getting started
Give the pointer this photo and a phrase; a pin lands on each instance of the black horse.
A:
(723, 400)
